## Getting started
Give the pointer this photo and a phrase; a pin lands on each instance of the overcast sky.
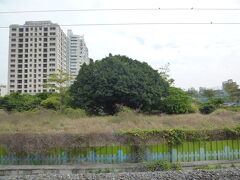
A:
(199, 55)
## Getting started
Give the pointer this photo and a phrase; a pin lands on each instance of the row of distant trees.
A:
(105, 85)
(231, 92)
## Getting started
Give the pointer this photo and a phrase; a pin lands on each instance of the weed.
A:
(162, 165)
(219, 166)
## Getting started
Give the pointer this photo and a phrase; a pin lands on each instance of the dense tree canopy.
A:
(103, 84)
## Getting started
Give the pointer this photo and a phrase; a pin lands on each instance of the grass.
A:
(47, 121)
(207, 167)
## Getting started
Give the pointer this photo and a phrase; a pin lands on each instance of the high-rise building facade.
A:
(36, 49)
(77, 53)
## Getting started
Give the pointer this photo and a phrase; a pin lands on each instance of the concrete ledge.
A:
(8, 170)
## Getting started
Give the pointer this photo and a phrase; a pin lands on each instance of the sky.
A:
(199, 55)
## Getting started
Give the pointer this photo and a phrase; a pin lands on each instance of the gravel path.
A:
(221, 174)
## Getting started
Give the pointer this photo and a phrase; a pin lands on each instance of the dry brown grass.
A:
(45, 121)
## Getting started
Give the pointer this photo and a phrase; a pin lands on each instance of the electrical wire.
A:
(122, 9)
(136, 23)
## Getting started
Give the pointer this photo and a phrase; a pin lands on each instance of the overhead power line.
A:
(136, 23)
(122, 9)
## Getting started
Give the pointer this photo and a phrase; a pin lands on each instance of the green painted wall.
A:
(187, 151)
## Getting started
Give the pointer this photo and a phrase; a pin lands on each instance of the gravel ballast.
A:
(221, 174)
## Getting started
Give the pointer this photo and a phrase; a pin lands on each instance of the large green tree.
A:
(103, 84)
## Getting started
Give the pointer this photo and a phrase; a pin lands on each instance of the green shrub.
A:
(207, 108)
(232, 108)
(194, 108)
(52, 102)
(216, 101)
(177, 102)
(162, 165)
(19, 102)
(44, 95)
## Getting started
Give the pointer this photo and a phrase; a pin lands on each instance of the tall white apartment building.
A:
(77, 53)
(36, 49)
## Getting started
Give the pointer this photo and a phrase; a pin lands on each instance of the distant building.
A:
(77, 53)
(230, 81)
(36, 49)
(3, 90)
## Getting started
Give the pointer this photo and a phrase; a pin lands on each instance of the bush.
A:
(207, 108)
(194, 108)
(163, 165)
(216, 101)
(75, 113)
(232, 108)
(52, 102)
(19, 102)
(44, 95)
(177, 102)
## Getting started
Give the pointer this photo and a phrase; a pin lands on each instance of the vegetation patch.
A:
(162, 165)
(207, 167)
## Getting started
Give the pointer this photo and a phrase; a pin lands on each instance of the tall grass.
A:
(77, 122)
